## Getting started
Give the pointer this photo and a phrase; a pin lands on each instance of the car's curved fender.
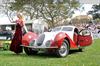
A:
(60, 37)
(28, 38)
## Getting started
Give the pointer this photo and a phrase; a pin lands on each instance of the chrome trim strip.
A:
(38, 47)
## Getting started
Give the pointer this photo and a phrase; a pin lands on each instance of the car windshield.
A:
(56, 29)
(67, 29)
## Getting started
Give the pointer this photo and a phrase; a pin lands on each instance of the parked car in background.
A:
(5, 39)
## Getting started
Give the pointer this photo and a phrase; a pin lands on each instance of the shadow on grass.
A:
(39, 55)
(74, 51)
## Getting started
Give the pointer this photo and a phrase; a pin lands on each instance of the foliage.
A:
(95, 12)
(53, 11)
(4, 9)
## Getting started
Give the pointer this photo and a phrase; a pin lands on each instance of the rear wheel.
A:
(30, 51)
(63, 50)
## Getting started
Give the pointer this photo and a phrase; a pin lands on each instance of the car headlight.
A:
(32, 42)
(48, 43)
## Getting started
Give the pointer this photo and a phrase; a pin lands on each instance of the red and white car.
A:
(60, 40)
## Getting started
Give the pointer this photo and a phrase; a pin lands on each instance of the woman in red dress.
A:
(17, 39)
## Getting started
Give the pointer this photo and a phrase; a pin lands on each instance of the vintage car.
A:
(59, 40)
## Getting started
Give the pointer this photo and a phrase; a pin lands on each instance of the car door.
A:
(84, 38)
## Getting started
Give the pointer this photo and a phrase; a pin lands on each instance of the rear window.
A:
(67, 29)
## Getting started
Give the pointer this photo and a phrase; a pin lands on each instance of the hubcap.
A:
(63, 49)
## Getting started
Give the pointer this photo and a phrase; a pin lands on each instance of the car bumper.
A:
(39, 47)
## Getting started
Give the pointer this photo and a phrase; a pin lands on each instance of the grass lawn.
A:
(90, 57)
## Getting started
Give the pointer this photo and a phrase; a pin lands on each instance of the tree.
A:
(53, 11)
(95, 12)
(4, 9)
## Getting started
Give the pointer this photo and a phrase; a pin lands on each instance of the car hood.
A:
(45, 37)
(50, 35)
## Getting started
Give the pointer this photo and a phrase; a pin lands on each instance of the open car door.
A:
(85, 38)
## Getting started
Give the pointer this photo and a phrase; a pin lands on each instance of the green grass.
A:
(90, 57)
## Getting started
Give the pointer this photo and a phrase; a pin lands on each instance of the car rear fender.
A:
(59, 38)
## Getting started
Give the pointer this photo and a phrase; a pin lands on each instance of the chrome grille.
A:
(40, 39)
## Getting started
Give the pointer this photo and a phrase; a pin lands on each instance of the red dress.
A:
(17, 39)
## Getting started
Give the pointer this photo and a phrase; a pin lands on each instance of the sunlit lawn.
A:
(90, 57)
